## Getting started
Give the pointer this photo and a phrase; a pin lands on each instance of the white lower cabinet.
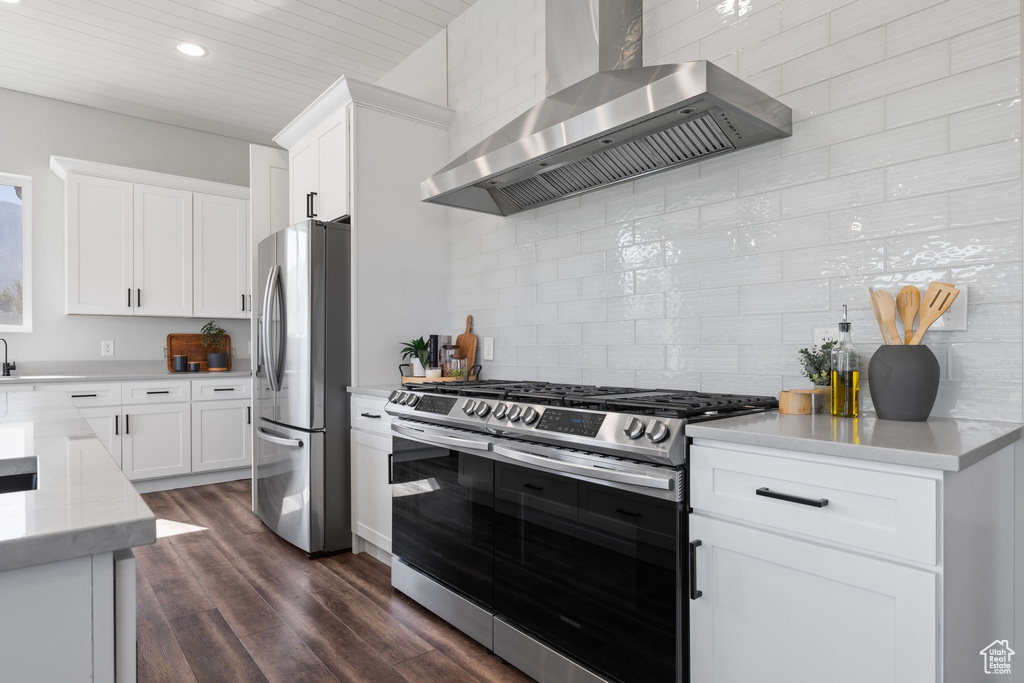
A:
(776, 609)
(157, 440)
(106, 421)
(221, 435)
(371, 488)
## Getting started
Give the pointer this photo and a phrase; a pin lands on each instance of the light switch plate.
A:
(488, 348)
(823, 334)
(107, 348)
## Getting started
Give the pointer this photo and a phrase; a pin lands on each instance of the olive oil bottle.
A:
(845, 373)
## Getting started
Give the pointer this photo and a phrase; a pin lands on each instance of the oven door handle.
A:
(438, 439)
(583, 470)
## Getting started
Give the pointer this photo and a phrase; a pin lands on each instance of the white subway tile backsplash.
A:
(903, 167)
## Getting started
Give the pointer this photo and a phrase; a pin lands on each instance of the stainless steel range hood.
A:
(605, 119)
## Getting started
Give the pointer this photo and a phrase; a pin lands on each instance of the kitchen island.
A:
(67, 580)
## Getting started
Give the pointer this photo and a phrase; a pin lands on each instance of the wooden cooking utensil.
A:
(908, 301)
(887, 313)
(467, 344)
(937, 300)
(878, 316)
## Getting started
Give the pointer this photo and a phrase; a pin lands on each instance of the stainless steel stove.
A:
(548, 521)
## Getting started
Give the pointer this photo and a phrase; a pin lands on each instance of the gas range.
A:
(645, 425)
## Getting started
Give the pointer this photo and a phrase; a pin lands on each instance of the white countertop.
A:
(940, 443)
(379, 390)
(84, 504)
(112, 371)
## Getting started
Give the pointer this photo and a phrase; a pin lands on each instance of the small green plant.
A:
(213, 337)
(458, 373)
(817, 363)
(417, 348)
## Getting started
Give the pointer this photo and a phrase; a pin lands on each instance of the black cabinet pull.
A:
(391, 468)
(158, 392)
(628, 513)
(767, 493)
(220, 389)
(138, 298)
(370, 415)
(116, 420)
(129, 297)
(83, 395)
(312, 213)
(533, 487)
(248, 415)
(694, 593)
(126, 430)
(243, 302)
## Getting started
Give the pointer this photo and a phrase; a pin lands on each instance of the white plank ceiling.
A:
(267, 59)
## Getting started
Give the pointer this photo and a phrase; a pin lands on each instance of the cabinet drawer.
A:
(368, 414)
(889, 513)
(155, 392)
(220, 389)
(89, 395)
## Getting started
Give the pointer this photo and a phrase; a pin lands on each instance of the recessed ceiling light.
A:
(190, 49)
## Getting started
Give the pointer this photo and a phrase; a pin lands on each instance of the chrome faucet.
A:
(7, 366)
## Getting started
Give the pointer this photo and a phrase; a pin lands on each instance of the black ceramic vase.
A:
(904, 381)
(217, 361)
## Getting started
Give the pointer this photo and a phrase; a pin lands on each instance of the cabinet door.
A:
(371, 490)
(778, 610)
(100, 219)
(107, 423)
(220, 257)
(221, 435)
(157, 440)
(304, 169)
(163, 251)
(332, 197)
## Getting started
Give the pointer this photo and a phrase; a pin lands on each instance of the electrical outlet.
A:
(488, 348)
(955, 319)
(106, 348)
(823, 334)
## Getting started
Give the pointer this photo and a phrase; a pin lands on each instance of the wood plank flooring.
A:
(221, 598)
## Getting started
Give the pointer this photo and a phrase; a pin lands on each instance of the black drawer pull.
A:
(370, 415)
(638, 515)
(694, 593)
(533, 487)
(116, 420)
(767, 493)
(158, 392)
(126, 428)
(222, 389)
(83, 395)
(248, 415)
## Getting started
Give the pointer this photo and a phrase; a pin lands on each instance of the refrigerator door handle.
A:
(279, 440)
(265, 342)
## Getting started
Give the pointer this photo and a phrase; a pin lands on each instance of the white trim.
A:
(64, 165)
(25, 183)
(182, 481)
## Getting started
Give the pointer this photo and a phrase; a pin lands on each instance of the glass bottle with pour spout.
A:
(845, 373)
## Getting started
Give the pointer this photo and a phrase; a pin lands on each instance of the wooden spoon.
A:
(908, 301)
(937, 300)
(878, 316)
(887, 314)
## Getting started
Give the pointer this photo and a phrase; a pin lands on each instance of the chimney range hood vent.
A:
(598, 129)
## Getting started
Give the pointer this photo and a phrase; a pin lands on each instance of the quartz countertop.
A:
(379, 390)
(83, 505)
(940, 443)
(112, 371)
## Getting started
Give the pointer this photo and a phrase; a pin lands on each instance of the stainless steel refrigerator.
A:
(301, 479)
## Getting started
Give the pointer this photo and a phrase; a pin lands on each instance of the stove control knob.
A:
(514, 413)
(658, 432)
(530, 416)
(500, 411)
(482, 409)
(413, 400)
(634, 428)
(394, 395)
(468, 407)
(402, 398)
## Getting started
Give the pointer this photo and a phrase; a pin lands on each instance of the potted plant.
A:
(817, 363)
(416, 352)
(214, 341)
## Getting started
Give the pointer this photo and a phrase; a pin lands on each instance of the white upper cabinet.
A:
(100, 220)
(220, 257)
(319, 171)
(163, 251)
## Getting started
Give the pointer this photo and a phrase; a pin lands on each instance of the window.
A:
(15, 253)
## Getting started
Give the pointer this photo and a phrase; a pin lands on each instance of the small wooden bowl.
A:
(803, 401)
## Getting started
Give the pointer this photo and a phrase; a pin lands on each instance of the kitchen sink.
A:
(18, 474)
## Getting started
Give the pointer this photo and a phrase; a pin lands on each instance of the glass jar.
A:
(459, 367)
(447, 351)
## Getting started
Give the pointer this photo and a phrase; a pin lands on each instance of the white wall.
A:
(32, 129)
(422, 74)
(904, 166)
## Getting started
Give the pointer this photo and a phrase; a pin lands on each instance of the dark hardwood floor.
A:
(220, 598)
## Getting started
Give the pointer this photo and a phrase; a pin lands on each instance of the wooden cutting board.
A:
(467, 344)
(191, 345)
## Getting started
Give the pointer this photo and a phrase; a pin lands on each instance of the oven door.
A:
(591, 565)
(443, 504)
